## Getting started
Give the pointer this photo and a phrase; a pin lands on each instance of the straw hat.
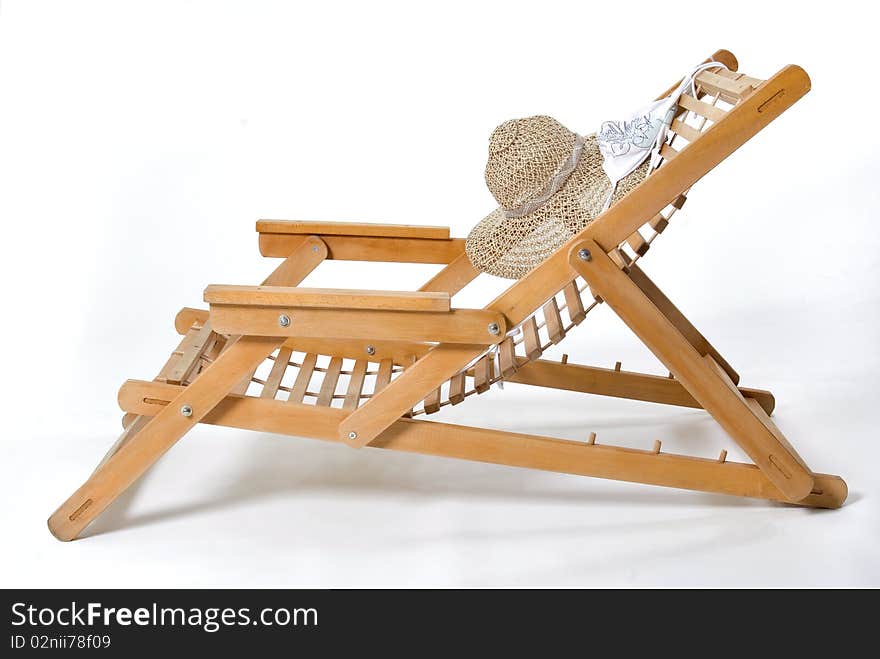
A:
(550, 185)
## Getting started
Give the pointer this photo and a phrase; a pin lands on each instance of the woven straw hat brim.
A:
(511, 247)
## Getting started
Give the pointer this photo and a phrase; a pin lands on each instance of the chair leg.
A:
(682, 324)
(134, 456)
(701, 375)
(132, 429)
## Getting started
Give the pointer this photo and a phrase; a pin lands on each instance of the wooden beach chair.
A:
(364, 368)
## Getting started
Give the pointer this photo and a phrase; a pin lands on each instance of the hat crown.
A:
(524, 156)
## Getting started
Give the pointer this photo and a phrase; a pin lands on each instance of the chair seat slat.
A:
(554, 321)
(432, 402)
(456, 388)
(331, 378)
(279, 366)
(638, 243)
(507, 357)
(383, 377)
(300, 385)
(531, 339)
(355, 385)
(483, 374)
(574, 303)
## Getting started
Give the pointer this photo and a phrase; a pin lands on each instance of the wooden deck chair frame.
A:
(425, 352)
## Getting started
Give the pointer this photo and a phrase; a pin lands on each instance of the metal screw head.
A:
(371, 350)
(284, 320)
(186, 410)
(494, 329)
(584, 255)
(352, 435)
(315, 249)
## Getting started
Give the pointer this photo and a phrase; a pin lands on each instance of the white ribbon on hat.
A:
(553, 186)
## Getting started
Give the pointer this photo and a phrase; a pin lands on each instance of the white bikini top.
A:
(625, 144)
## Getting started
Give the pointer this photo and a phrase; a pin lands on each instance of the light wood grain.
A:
(456, 326)
(130, 461)
(352, 229)
(706, 384)
(618, 384)
(362, 248)
(319, 298)
(498, 447)
(299, 263)
(454, 277)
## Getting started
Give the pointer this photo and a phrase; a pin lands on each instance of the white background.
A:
(139, 141)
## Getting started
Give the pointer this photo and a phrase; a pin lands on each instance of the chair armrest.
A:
(344, 314)
(348, 241)
(327, 298)
(353, 229)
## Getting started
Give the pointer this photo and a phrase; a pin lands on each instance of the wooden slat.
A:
(383, 377)
(352, 229)
(574, 302)
(619, 258)
(331, 378)
(730, 90)
(554, 321)
(638, 243)
(277, 372)
(301, 384)
(319, 298)
(355, 385)
(188, 337)
(507, 357)
(400, 352)
(687, 132)
(196, 343)
(432, 402)
(483, 374)
(703, 109)
(659, 223)
(531, 338)
(724, 56)
(456, 388)
(667, 152)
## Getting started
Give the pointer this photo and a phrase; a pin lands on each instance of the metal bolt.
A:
(352, 435)
(284, 320)
(186, 410)
(584, 255)
(315, 249)
(371, 350)
(494, 329)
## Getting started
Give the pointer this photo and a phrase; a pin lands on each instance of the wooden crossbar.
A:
(473, 326)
